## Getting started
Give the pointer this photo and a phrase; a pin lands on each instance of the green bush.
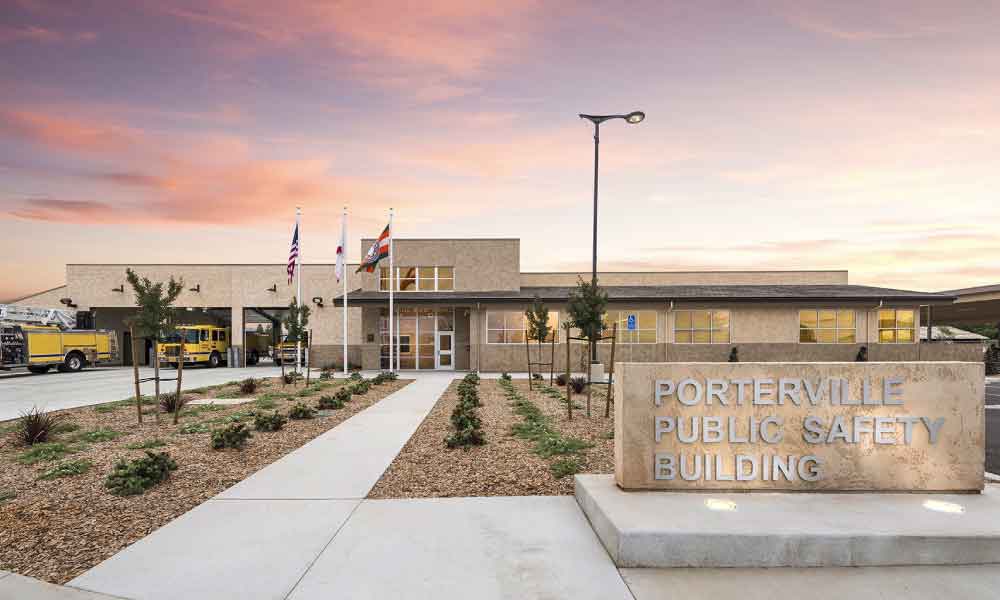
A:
(326, 375)
(378, 379)
(98, 435)
(536, 377)
(330, 402)
(291, 377)
(169, 402)
(578, 384)
(137, 476)
(464, 417)
(565, 466)
(505, 376)
(234, 435)
(249, 386)
(189, 428)
(343, 394)
(269, 422)
(46, 452)
(554, 443)
(360, 388)
(389, 376)
(301, 411)
(145, 445)
(35, 426)
(472, 378)
(355, 376)
(67, 469)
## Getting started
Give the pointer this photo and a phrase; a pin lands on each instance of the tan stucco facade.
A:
(762, 331)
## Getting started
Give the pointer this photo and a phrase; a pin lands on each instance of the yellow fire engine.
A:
(29, 339)
(203, 344)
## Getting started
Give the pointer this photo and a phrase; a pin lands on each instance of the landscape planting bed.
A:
(505, 465)
(56, 529)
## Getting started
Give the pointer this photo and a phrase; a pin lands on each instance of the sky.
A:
(798, 134)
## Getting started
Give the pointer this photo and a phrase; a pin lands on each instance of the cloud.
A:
(133, 180)
(42, 35)
(65, 133)
(875, 21)
(65, 211)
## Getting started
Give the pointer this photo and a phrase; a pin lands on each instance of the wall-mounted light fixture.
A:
(318, 301)
(68, 302)
(120, 289)
(196, 288)
(273, 288)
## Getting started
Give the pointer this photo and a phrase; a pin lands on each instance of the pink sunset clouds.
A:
(861, 136)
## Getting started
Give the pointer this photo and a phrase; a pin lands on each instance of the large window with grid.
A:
(897, 326)
(827, 326)
(419, 279)
(643, 323)
(701, 327)
(510, 326)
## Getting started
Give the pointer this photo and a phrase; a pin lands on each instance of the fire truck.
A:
(203, 344)
(42, 338)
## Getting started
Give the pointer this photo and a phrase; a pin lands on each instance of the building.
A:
(460, 305)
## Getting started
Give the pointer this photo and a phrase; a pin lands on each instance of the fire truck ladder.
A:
(23, 315)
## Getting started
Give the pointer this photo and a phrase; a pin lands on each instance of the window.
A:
(204, 335)
(827, 326)
(215, 335)
(509, 326)
(644, 326)
(896, 326)
(419, 279)
(701, 327)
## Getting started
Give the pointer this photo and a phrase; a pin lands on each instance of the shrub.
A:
(169, 402)
(330, 403)
(291, 377)
(472, 378)
(464, 417)
(565, 466)
(234, 435)
(137, 476)
(992, 360)
(269, 422)
(378, 379)
(343, 394)
(578, 384)
(561, 380)
(249, 386)
(301, 411)
(389, 376)
(189, 428)
(265, 403)
(361, 387)
(325, 375)
(67, 469)
(145, 445)
(45, 452)
(98, 435)
(552, 444)
(35, 426)
(355, 376)
(505, 376)
(536, 376)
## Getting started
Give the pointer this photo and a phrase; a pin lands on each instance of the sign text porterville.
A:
(769, 430)
(900, 426)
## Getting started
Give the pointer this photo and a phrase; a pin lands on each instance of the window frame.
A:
(836, 328)
(627, 311)
(417, 278)
(711, 326)
(548, 340)
(896, 328)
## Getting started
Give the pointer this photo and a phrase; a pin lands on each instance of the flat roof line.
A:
(686, 272)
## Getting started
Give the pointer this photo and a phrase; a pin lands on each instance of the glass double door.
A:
(424, 338)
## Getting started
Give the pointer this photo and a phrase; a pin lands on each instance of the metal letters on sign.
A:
(630, 325)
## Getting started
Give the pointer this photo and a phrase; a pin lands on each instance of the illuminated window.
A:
(701, 327)
(643, 326)
(896, 326)
(419, 279)
(827, 326)
(510, 326)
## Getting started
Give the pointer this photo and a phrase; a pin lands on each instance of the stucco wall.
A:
(690, 277)
(487, 264)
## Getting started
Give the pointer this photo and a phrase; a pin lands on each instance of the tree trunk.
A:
(592, 347)
(156, 376)
(135, 372)
(180, 377)
(569, 388)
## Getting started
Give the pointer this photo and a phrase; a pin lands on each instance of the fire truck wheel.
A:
(214, 360)
(73, 362)
(38, 370)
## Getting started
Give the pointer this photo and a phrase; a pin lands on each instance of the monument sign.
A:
(901, 426)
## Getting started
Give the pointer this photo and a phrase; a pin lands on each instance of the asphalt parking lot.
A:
(20, 390)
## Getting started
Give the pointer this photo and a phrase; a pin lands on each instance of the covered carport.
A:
(972, 306)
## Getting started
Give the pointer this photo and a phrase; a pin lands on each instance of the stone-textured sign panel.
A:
(902, 426)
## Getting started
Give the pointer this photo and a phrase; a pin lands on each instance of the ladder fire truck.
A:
(42, 338)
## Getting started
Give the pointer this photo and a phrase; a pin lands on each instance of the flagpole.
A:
(343, 273)
(298, 300)
(392, 343)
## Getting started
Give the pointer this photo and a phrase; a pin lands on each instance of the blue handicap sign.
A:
(631, 323)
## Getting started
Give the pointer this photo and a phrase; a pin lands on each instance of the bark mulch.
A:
(505, 465)
(56, 529)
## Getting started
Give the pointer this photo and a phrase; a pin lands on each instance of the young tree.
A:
(154, 320)
(587, 305)
(537, 317)
(297, 330)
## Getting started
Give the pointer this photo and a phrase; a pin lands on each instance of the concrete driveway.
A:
(20, 391)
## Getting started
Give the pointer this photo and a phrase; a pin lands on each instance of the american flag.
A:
(293, 255)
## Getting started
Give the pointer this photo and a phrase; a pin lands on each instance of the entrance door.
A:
(444, 356)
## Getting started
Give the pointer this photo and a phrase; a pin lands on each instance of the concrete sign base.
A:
(716, 529)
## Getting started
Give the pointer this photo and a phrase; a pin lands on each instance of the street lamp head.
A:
(635, 116)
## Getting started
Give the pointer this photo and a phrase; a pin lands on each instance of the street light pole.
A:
(631, 118)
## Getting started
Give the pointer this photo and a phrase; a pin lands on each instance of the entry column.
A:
(236, 335)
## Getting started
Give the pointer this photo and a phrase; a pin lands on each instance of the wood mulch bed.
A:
(505, 465)
(56, 529)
